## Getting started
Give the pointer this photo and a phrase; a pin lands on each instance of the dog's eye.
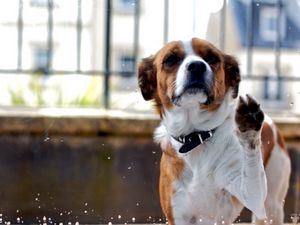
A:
(172, 60)
(212, 59)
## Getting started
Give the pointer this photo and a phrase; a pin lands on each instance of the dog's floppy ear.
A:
(147, 78)
(232, 74)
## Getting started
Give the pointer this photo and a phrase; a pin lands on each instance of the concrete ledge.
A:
(76, 122)
(98, 121)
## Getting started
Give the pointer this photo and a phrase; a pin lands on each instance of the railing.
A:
(107, 70)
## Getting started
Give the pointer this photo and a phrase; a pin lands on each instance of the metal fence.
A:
(106, 72)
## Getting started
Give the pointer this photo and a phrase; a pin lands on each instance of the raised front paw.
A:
(248, 116)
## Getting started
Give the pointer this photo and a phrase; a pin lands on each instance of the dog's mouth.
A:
(196, 90)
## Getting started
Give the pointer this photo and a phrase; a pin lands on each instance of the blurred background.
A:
(75, 134)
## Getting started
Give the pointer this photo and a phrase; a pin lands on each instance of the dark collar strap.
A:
(193, 140)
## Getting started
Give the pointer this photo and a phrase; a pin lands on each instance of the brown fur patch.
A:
(234, 201)
(171, 167)
(280, 141)
(267, 141)
(166, 76)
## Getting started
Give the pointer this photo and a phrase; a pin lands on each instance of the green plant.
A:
(38, 85)
(91, 96)
(17, 96)
(37, 88)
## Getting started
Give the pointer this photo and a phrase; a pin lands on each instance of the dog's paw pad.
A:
(249, 116)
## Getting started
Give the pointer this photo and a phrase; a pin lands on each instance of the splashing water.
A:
(46, 139)
(295, 217)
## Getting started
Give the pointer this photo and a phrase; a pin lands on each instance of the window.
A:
(125, 6)
(273, 89)
(42, 3)
(268, 23)
(127, 3)
(38, 3)
(41, 56)
(127, 63)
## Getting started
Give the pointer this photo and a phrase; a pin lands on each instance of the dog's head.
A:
(188, 74)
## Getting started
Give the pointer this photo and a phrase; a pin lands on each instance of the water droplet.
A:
(200, 220)
(257, 4)
(46, 139)
(76, 223)
(119, 216)
(86, 204)
(8, 223)
(85, 211)
(18, 219)
(61, 214)
(69, 223)
(37, 199)
(137, 204)
(153, 152)
(17, 211)
(44, 218)
(133, 219)
(109, 223)
(223, 222)
(1, 220)
(61, 223)
(129, 167)
(108, 157)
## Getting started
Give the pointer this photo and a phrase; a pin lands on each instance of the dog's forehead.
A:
(188, 47)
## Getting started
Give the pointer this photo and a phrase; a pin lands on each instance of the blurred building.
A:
(267, 48)
(68, 36)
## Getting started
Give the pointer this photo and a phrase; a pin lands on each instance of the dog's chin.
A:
(190, 97)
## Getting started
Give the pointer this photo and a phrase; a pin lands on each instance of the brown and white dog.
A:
(218, 154)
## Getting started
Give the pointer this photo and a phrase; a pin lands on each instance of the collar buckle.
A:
(200, 138)
(194, 139)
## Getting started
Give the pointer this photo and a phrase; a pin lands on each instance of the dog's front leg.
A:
(250, 185)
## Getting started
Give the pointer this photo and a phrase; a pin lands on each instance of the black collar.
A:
(194, 139)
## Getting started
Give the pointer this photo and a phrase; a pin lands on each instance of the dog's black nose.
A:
(197, 67)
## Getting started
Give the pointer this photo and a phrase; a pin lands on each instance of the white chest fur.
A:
(215, 171)
(200, 197)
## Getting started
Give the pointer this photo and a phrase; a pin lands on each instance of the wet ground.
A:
(85, 179)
